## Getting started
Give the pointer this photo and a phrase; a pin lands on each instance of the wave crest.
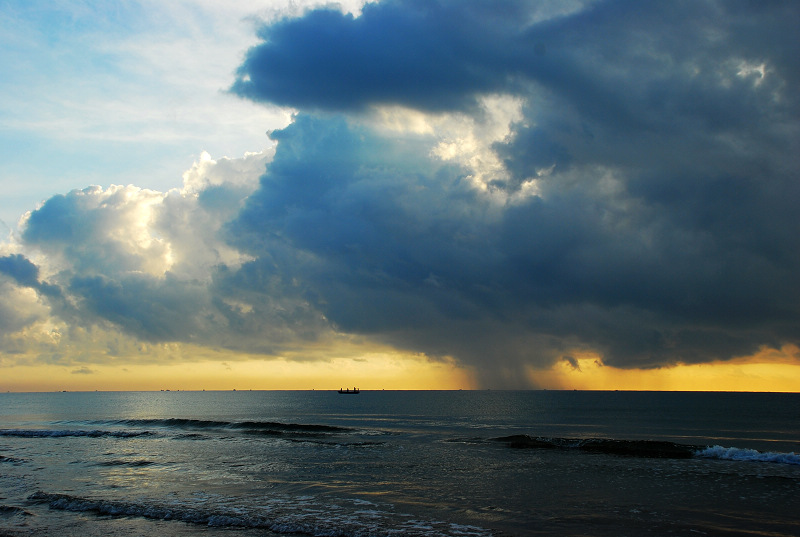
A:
(750, 455)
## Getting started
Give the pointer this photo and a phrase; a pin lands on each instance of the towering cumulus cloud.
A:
(504, 183)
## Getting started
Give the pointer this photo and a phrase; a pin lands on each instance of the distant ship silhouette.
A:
(348, 390)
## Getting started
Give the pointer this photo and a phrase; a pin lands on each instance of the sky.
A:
(401, 194)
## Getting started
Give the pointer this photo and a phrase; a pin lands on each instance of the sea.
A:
(400, 463)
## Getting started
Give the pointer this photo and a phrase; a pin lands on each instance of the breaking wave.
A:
(751, 455)
(66, 502)
(299, 516)
(647, 449)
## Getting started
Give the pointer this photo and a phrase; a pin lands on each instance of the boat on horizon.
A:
(348, 390)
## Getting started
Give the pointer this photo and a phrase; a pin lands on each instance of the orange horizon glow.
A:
(768, 371)
(381, 371)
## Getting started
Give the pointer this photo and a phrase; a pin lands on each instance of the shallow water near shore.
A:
(460, 463)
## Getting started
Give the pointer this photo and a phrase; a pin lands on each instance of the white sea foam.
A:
(740, 454)
(296, 517)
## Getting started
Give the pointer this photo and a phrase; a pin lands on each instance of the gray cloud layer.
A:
(650, 188)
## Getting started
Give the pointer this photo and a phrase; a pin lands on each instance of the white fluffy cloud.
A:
(153, 266)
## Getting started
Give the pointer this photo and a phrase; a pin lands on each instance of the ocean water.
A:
(457, 463)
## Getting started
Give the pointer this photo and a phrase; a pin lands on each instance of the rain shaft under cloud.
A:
(506, 183)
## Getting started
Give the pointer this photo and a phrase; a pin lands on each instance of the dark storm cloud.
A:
(410, 253)
(645, 208)
(439, 55)
(664, 138)
(430, 55)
